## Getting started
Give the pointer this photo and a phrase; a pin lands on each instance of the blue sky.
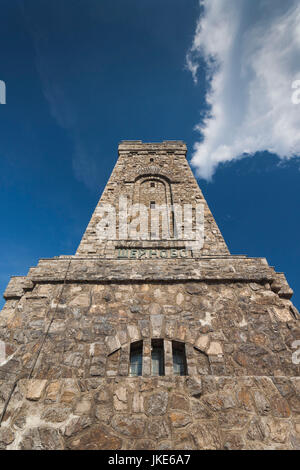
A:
(83, 75)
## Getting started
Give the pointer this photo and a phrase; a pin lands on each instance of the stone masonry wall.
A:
(159, 413)
(228, 328)
(242, 391)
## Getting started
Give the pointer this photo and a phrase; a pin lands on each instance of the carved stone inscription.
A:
(152, 253)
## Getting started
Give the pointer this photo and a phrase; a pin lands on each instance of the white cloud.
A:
(252, 53)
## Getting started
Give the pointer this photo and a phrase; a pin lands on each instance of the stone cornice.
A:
(206, 269)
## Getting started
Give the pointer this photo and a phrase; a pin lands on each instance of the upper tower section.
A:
(152, 176)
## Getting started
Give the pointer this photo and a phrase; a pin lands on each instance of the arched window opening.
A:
(157, 357)
(179, 358)
(136, 359)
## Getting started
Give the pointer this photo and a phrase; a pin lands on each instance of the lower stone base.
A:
(154, 413)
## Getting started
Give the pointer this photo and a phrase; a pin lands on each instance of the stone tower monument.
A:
(150, 342)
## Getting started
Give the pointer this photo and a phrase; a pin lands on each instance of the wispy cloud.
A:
(55, 30)
(84, 164)
(251, 51)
